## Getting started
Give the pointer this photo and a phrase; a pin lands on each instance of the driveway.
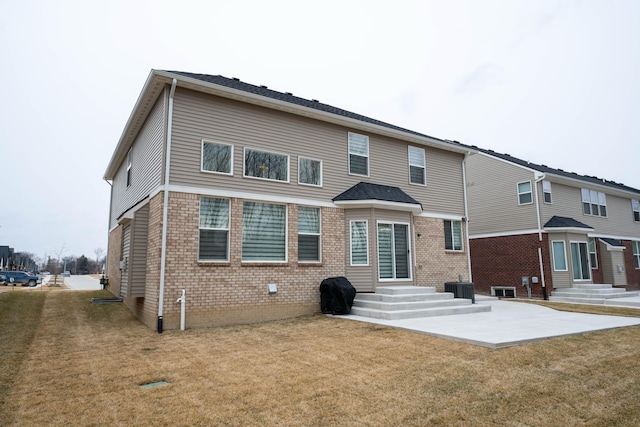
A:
(82, 283)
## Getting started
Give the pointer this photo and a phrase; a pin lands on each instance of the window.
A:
(417, 166)
(393, 251)
(635, 245)
(214, 229)
(594, 203)
(217, 157)
(260, 164)
(559, 256)
(308, 234)
(593, 255)
(358, 154)
(264, 232)
(635, 206)
(580, 261)
(309, 171)
(129, 163)
(546, 191)
(452, 235)
(359, 242)
(524, 193)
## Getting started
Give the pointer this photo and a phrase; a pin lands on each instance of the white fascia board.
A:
(437, 215)
(609, 236)
(568, 230)
(380, 204)
(505, 233)
(611, 248)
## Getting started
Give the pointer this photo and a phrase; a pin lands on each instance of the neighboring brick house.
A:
(556, 228)
(223, 188)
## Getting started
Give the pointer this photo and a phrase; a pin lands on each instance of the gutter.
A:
(540, 261)
(165, 208)
(466, 212)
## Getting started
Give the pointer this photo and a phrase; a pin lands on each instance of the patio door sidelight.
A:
(580, 261)
(394, 260)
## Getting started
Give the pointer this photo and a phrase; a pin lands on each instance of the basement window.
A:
(503, 291)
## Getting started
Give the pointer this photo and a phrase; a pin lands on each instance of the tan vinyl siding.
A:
(146, 168)
(493, 196)
(610, 260)
(361, 277)
(138, 259)
(124, 272)
(199, 116)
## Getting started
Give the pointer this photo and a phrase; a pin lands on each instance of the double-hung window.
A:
(358, 154)
(452, 235)
(309, 172)
(594, 203)
(593, 255)
(546, 191)
(559, 256)
(635, 246)
(264, 232)
(635, 207)
(129, 164)
(524, 193)
(264, 165)
(214, 229)
(417, 166)
(217, 158)
(308, 234)
(359, 242)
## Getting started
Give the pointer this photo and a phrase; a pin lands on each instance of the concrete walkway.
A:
(82, 283)
(509, 323)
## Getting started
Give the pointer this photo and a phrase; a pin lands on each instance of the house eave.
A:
(379, 204)
(568, 230)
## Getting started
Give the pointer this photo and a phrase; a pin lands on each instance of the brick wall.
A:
(114, 255)
(633, 275)
(502, 261)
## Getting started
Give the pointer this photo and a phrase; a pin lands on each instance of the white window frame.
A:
(232, 149)
(594, 265)
(393, 251)
(635, 249)
(366, 225)
(129, 165)
(530, 193)
(318, 235)
(286, 235)
(244, 165)
(594, 198)
(546, 189)
(350, 134)
(423, 166)
(451, 223)
(564, 255)
(227, 229)
(300, 158)
(573, 272)
(635, 208)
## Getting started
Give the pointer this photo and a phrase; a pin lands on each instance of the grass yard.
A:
(65, 361)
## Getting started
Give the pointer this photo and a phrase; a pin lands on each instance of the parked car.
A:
(19, 278)
(66, 273)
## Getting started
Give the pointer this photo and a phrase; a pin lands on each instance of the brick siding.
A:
(633, 274)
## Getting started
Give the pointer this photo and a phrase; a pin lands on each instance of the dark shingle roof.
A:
(234, 83)
(612, 242)
(553, 171)
(368, 191)
(564, 222)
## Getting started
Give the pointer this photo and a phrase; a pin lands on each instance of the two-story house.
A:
(553, 228)
(248, 198)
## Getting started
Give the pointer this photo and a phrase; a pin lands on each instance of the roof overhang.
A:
(568, 230)
(415, 209)
(611, 246)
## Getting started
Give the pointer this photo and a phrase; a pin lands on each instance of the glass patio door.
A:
(394, 260)
(580, 261)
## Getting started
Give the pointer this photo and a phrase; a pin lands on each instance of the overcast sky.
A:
(552, 82)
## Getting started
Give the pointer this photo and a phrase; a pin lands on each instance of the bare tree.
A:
(99, 252)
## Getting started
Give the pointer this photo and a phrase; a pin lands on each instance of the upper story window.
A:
(417, 166)
(635, 206)
(524, 193)
(452, 235)
(129, 163)
(214, 229)
(308, 234)
(217, 158)
(309, 172)
(260, 164)
(546, 191)
(358, 154)
(594, 203)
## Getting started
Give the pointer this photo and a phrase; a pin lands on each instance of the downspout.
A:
(165, 208)
(466, 213)
(542, 282)
(106, 264)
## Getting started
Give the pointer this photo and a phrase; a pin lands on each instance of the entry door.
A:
(580, 261)
(394, 258)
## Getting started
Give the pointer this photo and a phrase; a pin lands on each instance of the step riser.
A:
(395, 306)
(404, 298)
(404, 290)
(413, 314)
(586, 295)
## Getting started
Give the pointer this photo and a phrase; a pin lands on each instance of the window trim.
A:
(635, 208)
(544, 193)
(286, 235)
(451, 221)
(228, 230)
(318, 234)
(423, 166)
(202, 169)
(244, 165)
(299, 169)
(368, 249)
(600, 197)
(594, 265)
(530, 192)
(393, 251)
(635, 246)
(573, 272)
(564, 255)
(357, 154)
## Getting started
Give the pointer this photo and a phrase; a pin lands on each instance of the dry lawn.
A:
(68, 362)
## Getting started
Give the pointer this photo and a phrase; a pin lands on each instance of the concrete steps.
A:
(591, 294)
(409, 302)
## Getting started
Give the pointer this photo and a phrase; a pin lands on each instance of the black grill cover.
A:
(336, 295)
